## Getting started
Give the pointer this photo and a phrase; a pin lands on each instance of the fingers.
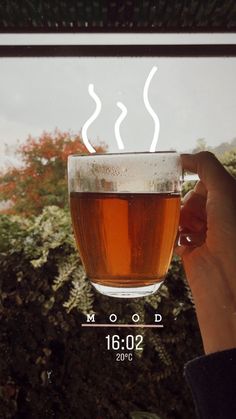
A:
(210, 171)
(182, 249)
(192, 229)
(200, 189)
(193, 211)
(188, 241)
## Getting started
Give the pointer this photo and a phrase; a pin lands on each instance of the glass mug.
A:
(125, 215)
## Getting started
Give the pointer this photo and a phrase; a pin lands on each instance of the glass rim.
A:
(124, 154)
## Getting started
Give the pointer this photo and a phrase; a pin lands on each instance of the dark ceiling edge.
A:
(128, 31)
(203, 50)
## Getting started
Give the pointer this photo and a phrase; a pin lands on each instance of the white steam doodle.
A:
(91, 119)
(117, 124)
(150, 110)
(122, 116)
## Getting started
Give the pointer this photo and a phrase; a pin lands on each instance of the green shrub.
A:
(44, 298)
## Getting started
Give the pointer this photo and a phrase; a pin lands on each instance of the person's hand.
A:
(208, 249)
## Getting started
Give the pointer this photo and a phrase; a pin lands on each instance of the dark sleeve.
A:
(212, 380)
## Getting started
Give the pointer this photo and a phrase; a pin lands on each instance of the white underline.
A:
(120, 325)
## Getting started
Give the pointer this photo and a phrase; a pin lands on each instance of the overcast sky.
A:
(193, 98)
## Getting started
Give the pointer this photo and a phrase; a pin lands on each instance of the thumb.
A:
(211, 172)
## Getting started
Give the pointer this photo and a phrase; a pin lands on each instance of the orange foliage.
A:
(42, 180)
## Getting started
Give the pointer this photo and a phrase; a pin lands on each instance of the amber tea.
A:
(125, 240)
(125, 237)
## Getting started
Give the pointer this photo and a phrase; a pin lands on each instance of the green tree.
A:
(201, 145)
(229, 161)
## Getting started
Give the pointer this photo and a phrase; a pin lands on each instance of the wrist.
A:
(215, 301)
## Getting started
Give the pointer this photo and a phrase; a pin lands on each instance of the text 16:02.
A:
(130, 342)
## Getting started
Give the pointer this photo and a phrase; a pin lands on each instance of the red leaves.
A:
(42, 181)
